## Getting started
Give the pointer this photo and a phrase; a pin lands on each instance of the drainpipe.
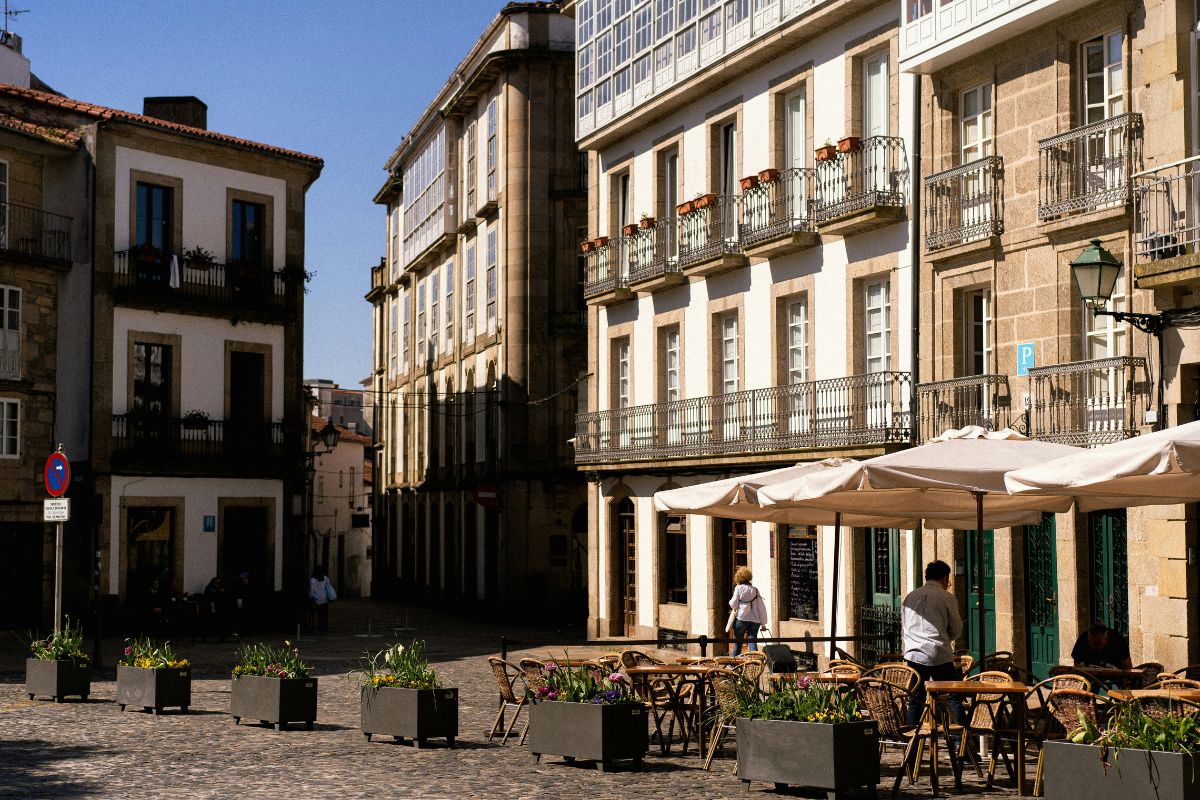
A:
(914, 247)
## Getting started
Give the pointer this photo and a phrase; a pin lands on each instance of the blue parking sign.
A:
(1025, 359)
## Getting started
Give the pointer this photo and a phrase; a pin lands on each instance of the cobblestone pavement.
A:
(90, 749)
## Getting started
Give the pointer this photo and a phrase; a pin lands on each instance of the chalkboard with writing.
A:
(802, 577)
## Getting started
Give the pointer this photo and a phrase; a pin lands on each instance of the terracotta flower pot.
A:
(587, 247)
(849, 144)
(826, 153)
(685, 208)
(630, 229)
(600, 241)
(769, 175)
(749, 182)
(705, 200)
(646, 222)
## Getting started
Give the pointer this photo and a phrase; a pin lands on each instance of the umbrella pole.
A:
(837, 560)
(979, 584)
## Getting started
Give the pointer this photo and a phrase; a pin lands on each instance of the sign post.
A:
(57, 478)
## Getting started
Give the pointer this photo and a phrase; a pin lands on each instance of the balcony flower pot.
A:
(57, 679)
(768, 175)
(826, 153)
(195, 421)
(1077, 772)
(849, 144)
(276, 701)
(748, 182)
(834, 757)
(686, 207)
(600, 241)
(587, 247)
(705, 200)
(154, 688)
(416, 714)
(646, 223)
(600, 733)
(630, 230)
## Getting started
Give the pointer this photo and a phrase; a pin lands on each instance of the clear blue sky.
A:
(343, 81)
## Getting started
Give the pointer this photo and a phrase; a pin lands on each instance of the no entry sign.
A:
(487, 495)
(57, 475)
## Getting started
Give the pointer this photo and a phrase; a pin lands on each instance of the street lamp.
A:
(328, 436)
(1096, 271)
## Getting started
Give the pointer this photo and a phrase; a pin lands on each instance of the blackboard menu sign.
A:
(802, 577)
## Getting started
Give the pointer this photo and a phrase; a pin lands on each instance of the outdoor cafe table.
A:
(1119, 678)
(675, 678)
(1175, 693)
(1013, 691)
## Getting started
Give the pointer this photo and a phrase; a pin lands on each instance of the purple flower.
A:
(552, 695)
(616, 677)
(803, 682)
(128, 650)
(612, 695)
(597, 700)
(549, 666)
(543, 690)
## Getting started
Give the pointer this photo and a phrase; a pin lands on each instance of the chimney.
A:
(14, 66)
(190, 111)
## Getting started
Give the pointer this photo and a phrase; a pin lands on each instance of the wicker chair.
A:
(612, 661)
(512, 695)
(985, 720)
(837, 667)
(963, 662)
(1040, 723)
(751, 670)
(1162, 706)
(597, 671)
(1191, 671)
(898, 673)
(1174, 683)
(885, 702)
(658, 696)
(636, 658)
(1068, 704)
(725, 685)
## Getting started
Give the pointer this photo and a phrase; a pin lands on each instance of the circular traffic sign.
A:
(57, 475)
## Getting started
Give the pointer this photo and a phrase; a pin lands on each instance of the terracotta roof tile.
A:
(106, 113)
(45, 132)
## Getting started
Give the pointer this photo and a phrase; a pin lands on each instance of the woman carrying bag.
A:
(748, 612)
(320, 592)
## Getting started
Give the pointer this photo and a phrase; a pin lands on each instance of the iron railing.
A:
(880, 627)
(1088, 402)
(1089, 168)
(777, 208)
(876, 174)
(981, 400)
(709, 232)
(965, 203)
(146, 438)
(855, 410)
(160, 276)
(10, 364)
(606, 268)
(31, 231)
(654, 251)
(1167, 217)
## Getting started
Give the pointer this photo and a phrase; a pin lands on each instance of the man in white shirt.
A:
(931, 622)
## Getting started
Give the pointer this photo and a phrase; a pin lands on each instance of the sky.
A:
(343, 81)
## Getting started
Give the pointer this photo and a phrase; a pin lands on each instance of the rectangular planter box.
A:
(154, 689)
(1075, 772)
(416, 714)
(274, 700)
(584, 730)
(57, 679)
(810, 754)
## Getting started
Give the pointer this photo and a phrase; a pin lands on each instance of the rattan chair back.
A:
(897, 673)
(1174, 683)
(636, 658)
(1069, 705)
(883, 702)
(506, 674)
(1162, 706)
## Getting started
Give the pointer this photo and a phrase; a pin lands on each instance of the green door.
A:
(884, 565)
(1041, 595)
(989, 592)
(1110, 569)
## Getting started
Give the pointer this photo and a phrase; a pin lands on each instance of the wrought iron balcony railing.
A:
(981, 400)
(875, 174)
(33, 232)
(778, 207)
(193, 444)
(654, 251)
(1089, 168)
(606, 268)
(1088, 402)
(164, 278)
(709, 232)
(1166, 219)
(965, 203)
(838, 412)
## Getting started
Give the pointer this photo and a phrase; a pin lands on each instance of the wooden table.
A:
(1120, 678)
(722, 660)
(1014, 692)
(673, 678)
(1177, 693)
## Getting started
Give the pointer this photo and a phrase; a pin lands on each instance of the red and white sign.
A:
(487, 495)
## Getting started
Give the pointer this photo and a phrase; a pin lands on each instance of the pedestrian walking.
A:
(320, 592)
(748, 612)
(931, 622)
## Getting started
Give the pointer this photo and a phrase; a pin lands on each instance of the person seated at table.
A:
(1101, 646)
(930, 623)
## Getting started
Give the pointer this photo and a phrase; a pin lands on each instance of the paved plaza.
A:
(90, 749)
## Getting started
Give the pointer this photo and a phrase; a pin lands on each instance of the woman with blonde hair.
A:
(748, 612)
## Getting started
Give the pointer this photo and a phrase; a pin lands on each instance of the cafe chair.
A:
(636, 658)
(1191, 671)
(507, 676)
(963, 662)
(841, 667)
(595, 670)
(1174, 683)
(1040, 723)
(984, 722)
(885, 703)
(612, 661)
(898, 673)
(726, 685)
(658, 696)
(1068, 704)
(1163, 706)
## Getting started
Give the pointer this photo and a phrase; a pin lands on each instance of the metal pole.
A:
(979, 585)
(58, 575)
(833, 602)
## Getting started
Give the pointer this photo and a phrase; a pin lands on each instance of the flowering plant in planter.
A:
(65, 644)
(801, 701)
(144, 654)
(400, 666)
(271, 662)
(575, 685)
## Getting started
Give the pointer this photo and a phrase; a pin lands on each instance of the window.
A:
(469, 296)
(10, 332)
(643, 34)
(976, 126)
(675, 560)
(876, 103)
(491, 281)
(621, 201)
(449, 287)
(800, 571)
(624, 36)
(155, 223)
(395, 248)
(728, 173)
(686, 41)
(670, 365)
(685, 12)
(797, 342)
(670, 195)
(604, 55)
(10, 429)
(584, 66)
(621, 386)
(979, 332)
(662, 57)
(1103, 87)
(472, 148)
(425, 192)
(404, 333)
(151, 380)
(395, 350)
(710, 29)
(918, 9)
(795, 134)
(435, 317)
(664, 19)
(249, 236)
(730, 377)
(641, 69)
(878, 326)
(492, 153)
(422, 355)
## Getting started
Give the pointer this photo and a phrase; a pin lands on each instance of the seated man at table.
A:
(1101, 646)
(930, 622)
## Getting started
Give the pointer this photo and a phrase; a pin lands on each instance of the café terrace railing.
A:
(981, 400)
(778, 207)
(1167, 211)
(965, 204)
(152, 276)
(1088, 402)
(1089, 168)
(836, 412)
(874, 174)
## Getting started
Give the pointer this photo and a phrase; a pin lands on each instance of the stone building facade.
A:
(478, 332)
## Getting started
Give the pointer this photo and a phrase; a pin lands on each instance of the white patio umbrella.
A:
(946, 478)
(1154, 469)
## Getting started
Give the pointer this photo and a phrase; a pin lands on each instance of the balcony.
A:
(1166, 233)
(33, 233)
(606, 271)
(1090, 168)
(191, 445)
(708, 236)
(775, 214)
(160, 281)
(654, 256)
(965, 204)
(982, 400)
(1089, 402)
(853, 411)
(862, 189)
